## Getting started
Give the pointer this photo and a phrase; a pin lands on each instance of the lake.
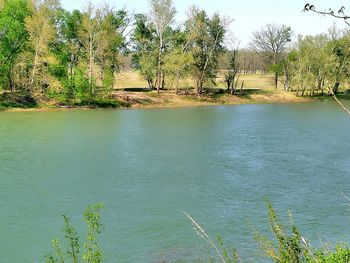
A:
(218, 163)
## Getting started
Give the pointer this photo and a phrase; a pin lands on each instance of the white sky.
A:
(248, 15)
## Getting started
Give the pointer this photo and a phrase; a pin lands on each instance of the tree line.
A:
(310, 65)
(49, 52)
(46, 50)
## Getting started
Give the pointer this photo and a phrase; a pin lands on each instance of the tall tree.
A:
(13, 36)
(162, 15)
(178, 59)
(67, 49)
(207, 44)
(114, 25)
(37, 57)
(90, 35)
(271, 42)
(145, 49)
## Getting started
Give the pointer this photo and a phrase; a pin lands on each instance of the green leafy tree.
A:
(67, 50)
(35, 60)
(313, 65)
(177, 59)
(13, 36)
(91, 41)
(207, 35)
(114, 25)
(161, 16)
(145, 50)
(289, 68)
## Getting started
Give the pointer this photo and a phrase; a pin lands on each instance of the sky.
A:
(248, 15)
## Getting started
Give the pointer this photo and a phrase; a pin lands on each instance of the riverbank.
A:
(166, 99)
(140, 98)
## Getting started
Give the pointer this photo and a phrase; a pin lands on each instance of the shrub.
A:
(92, 253)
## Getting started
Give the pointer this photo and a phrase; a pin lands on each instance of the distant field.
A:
(132, 79)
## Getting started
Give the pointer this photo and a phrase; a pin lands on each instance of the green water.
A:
(218, 163)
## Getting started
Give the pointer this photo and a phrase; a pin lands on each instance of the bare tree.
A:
(162, 15)
(250, 62)
(271, 42)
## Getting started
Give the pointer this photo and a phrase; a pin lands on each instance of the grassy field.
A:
(258, 88)
(132, 79)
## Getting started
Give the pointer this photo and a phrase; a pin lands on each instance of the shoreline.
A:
(168, 100)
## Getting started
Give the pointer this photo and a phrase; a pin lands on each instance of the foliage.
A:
(46, 51)
(12, 38)
(144, 57)
(162, 14)
(317, 64)
(91, 252)
(291, 246)
(230, 256)
(207, 39)
(286, 246)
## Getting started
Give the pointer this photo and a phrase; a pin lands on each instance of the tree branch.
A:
(340, 14)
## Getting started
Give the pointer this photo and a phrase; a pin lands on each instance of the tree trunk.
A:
(336, 87)
(91, 62)
(322, 88)
(177, 82)
(276, 80)
(33, 72)
(233, 90)
(199, 87)
(228, 82)
(242, 86)
(209, 55)
(159, 71)
(286, 84)
(163, 80)
(11, 84)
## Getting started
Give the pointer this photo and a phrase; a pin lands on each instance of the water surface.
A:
(218, 163)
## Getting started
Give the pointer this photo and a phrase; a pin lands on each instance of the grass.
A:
(252, 81)
(132, 79)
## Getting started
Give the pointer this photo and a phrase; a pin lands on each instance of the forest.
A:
(49, 54)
